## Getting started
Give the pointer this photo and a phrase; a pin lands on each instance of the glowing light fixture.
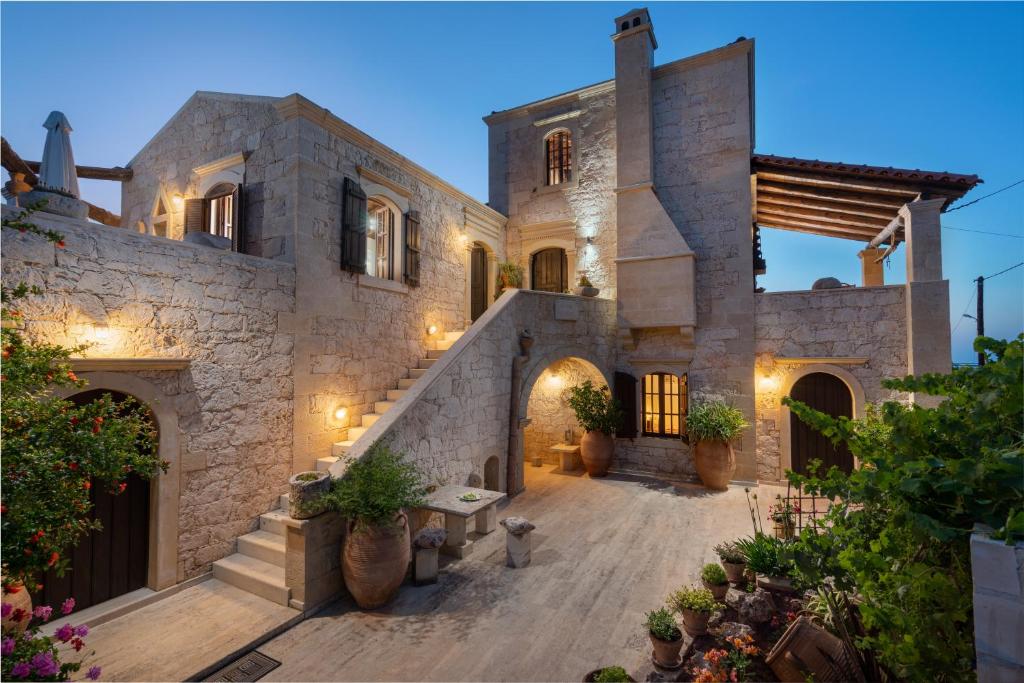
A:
(767, 383)
(554, 381)
(101, 332)
(341, 413)
(178, 200)
(432, 330)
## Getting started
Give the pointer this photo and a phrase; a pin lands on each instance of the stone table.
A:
(568, 456)
(456, 512)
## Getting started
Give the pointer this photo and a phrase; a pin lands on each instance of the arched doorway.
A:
(477, 282)
(828, 394)
(113, 560)
(549, 270)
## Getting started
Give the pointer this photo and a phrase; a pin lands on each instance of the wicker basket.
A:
(806, 648)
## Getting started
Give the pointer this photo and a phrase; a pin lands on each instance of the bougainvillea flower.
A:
(67, 606)
(43, 612)
(7, 647)
(64, 633)
(94, 673)
(82, 631)
(21, 670)
(44, 664)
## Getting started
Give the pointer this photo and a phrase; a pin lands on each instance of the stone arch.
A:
(540, 362)
(790, 379)
(165, 488)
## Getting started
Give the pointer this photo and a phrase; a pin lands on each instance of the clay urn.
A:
(596, 449)
(375, 559)
(715, 463)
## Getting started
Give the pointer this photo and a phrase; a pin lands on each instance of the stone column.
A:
(871, 267)
(927, 298)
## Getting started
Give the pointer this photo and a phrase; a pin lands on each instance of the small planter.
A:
(666, 652)
(734, 571)
(808, 652)
(305, 492)
(715, 464)
(695, 623)
(586, 291)
(784, 529)
(592, 676)
(776, 584)
(717, 589)
(596, 449)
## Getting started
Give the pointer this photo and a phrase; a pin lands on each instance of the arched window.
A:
(221, 210)
(381, 257)
(664, 405)
(558, 152)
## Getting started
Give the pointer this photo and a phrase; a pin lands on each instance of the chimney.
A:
(634, 59)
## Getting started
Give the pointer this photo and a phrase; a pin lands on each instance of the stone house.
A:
(287, 290)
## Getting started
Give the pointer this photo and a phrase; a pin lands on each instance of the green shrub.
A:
(730, 552)
(713, 574)
(693, 598)
(595, 409)
(898, 536)
(662, 625)
(714, 421)
(765, 555)
(510, 276)
(376, 487)
(585, 281)
(612, 674)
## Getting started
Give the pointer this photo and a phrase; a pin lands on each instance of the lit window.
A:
(380, 236)
(220, 210)
(558, 151)
(664, 404)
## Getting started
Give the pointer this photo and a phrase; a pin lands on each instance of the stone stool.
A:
(424, 564)
(517, 541)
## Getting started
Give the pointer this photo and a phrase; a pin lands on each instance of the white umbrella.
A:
(57, 169)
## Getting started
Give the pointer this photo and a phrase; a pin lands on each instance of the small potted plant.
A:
(608, 674)
(714, 579)
(600, 416)
(696, 606)
(666, 638)
(372, 496)
(783, 515)
(766, 557)
(510, 276)
(306, 491)
(585, 287)
(713, 424)
(734, 562)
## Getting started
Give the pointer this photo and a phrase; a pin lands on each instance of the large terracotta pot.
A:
(596, 450)
(18, 599)
(666, 652)
(715, 463)
(375, 560)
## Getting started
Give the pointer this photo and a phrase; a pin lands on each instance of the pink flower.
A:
(44, 665)
(67, 606)
(82, 631)
(21, 670)
(7, 647)
(5, 609)
(43, 612)
(94, 673)
(64, 633)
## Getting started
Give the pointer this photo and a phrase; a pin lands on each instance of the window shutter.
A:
(412, 249)
(195, 215)
(353, 227)
(625, 394)
(238, 219)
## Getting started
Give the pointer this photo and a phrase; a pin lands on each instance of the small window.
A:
(636, 21)
(221, 210)
(380, 241)
(558, 151)
(664, 405)
(161, 218)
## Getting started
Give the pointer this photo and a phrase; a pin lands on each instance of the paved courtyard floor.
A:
(605, 551)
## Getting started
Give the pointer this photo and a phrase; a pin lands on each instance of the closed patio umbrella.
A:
(57, 169)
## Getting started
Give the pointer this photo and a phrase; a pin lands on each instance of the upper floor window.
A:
(221, 210)
(219, 216)
(380, 241)
(558, 152)
(664, 404)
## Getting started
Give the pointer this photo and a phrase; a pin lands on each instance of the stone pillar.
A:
(998, 580)
(927, 300)
(872, 273)
(313, 559)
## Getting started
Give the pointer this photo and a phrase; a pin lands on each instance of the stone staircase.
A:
(380, 407)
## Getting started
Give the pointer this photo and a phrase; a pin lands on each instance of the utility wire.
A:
(989, 277)
(983, 232)
(963, 316)
(975, 201)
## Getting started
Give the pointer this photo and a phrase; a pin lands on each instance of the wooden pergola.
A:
(848, 201)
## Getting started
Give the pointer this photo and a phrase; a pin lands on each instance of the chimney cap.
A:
(637, 20)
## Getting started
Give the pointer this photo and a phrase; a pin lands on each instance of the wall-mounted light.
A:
(178, 200)
(554, 381)
(101, 332)
(590, 240)
(341, 413)
(432, 330)
(767, 383)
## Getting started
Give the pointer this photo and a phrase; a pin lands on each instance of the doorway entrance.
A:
(549, 270)
(830, 395)
(477, 282)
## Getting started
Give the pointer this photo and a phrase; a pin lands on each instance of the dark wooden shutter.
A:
(195, 215)
(238, 219)
(625, 394)
(353, 227)
(412, 248)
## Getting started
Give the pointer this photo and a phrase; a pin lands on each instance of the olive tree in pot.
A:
(713, 424)
(373, 495)
(696, 606)
(666, 638)
(600, 416)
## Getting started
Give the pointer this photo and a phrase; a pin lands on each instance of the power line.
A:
(983, 232)
(963, 315)
(989, 277)
(975, 201)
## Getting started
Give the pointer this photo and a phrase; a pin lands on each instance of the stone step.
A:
(416, 373)
(395, 394)
(381, 407)
(369, 418)
(255, 576)
(356, 432)
(274, 522)
(406, 383)
(263, 545)
(443, 345)
(435, 353)
(426, 363)
(453, 335)
(340, 448)
(323, 464)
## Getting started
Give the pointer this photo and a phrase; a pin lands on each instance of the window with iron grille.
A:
(664, 405)
(558, 147)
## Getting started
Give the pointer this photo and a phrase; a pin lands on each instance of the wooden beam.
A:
(116, 173)
(818, 222)
(866, 199)
(832, 217)
(891, 189)
(814, 229)
(770, 196)
(103, 216)
(14, 163)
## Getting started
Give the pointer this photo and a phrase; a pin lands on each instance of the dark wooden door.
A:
(477, 282)
(114, 560)
(549, 271)
(828, 394)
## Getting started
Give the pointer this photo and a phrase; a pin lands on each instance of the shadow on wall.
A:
(548, 408)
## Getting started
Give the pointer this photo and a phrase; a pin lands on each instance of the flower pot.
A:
(718, 590)
(589, 678)
(18, 598)
(586, 291)
(776, 584)
(375, 560)
(784, 529)
(666, 652)
(596, 450)
(808, 652)
(305, 492)
(695, 623)
(715, 463)
(734, 571)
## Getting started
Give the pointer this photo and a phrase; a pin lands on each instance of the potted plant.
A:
(608, 674)
(696, 606)
(783, 516)
(734, 562)
(766, 557)
(666, 638)
(510, 276)
(714, 579)
(305, 494)
(585, 287)
(713, 424)
(600, 416)
(373, 495)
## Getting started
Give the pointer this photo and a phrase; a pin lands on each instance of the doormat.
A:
(250, 667)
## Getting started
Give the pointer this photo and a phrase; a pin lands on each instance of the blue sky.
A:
(938, 86)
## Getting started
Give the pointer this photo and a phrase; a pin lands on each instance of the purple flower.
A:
(7, 647)
(67, 606)
(44, 664)
(43, 612)
(6, 609)
(64, 633)
(21, 670)
(94, 673)
(82, 631)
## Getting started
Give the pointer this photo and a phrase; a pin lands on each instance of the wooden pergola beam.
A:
(769, 196)
(14, 163)
(863, 199)
(875, 187)
(831, 217)
(767, 221)
(117, 173)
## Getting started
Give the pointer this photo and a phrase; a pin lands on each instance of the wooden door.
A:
(549, 271)
(477, 282)
(828, 394)
(114, 560)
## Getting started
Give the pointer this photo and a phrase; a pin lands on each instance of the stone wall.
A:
(997, 571)
(168, 299)
(548, 409)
